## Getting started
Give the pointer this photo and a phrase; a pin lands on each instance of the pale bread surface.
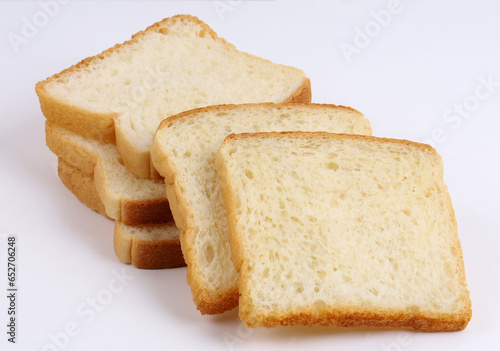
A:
(177, 64)
(342, 230)
(184, 150)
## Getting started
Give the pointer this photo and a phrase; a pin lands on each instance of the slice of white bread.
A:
(342, 230)
(184, 150)
(125, 197)
(149, 246)
(152, 246)
(174, 65)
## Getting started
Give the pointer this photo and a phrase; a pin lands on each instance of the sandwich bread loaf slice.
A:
(178, 64)
(125, 197)
(184, 150)
(342, 230)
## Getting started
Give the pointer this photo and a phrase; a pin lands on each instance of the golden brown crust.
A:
(153, 211)
(81, 185)
(158, 254)
(326, 135)
(356, 317)
(209, 304)
(346, 316)
(147, 254)
(199, 112)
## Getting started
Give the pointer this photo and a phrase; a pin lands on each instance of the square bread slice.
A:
(123, 196)
(342, 230)
(148, 246)
(177, 64)
(184, 150)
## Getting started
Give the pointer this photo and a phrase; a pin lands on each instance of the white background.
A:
(426, 58)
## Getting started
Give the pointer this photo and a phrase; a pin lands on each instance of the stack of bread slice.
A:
(145, 234)
(289, 209)
(102, 114)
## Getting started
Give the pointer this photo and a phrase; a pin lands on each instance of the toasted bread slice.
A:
(174, 65)
(184, 150)
(125, 197)
(342, 230)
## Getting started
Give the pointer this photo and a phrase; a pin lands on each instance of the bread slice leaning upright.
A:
(342, 230)
(177, 64)
(184, 150)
